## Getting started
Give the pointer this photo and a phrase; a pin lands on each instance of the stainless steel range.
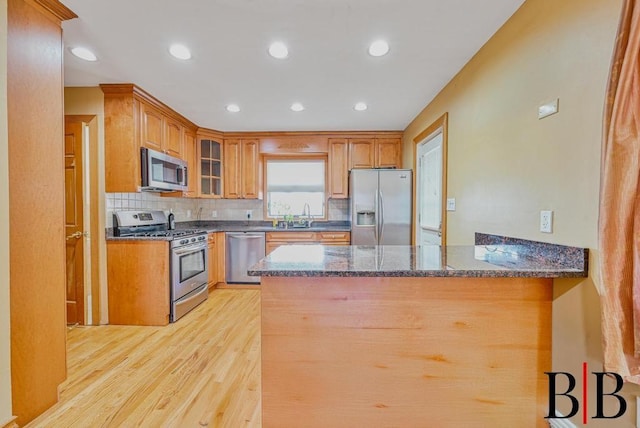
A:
(188, 256)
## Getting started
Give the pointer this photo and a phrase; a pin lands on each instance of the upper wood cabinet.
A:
(242, 169)
(191, 156)
(210, 165)
(174, 138)
(338, 168)
(361, 153)
(152, 130)
(160, 132)
(374, 153)
(135, 119)
(388, 152)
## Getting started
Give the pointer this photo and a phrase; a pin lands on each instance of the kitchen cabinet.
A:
(191, 156)
(374, 153)
(242, 169)
(210, 165)
(34, 304)
(134, 119)
(213, 260)
(361, 153)
(387, 152)
(276, 239)
(220, 254)
(138, 282)
(160, 132)
(338, 168)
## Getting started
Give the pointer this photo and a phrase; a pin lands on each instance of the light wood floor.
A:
(203, 370)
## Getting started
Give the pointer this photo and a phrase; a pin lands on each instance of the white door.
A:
(429, 190)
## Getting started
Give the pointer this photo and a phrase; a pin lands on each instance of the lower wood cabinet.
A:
(216, 258)
(213, 260)
(138, 282)
(276, 239)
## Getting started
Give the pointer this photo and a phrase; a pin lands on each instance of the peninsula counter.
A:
(408, 336)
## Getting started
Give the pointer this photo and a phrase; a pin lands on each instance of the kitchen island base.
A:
(409, 351)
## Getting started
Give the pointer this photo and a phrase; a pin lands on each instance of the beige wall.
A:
(505, 165)
(90, 101)
(5, 344)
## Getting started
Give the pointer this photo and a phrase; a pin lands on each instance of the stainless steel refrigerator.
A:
(380, 206)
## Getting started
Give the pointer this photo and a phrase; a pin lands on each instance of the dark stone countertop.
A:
(238, 226)
(263, 226)
(500, 261)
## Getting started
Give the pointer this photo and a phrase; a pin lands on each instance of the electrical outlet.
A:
(546, 221)
(188, 213)
(214, 214)
(249, 214)
(451, 204)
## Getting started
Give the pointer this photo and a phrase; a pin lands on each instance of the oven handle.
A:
(190, 248)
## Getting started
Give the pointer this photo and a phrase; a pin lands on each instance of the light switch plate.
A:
(548, 109)
(451, 204)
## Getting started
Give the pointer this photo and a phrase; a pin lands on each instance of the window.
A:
(292, 183)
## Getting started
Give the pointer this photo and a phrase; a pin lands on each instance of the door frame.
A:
(440, 124)
(91, 213)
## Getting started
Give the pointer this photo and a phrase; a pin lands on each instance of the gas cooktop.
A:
(148, 224)
(167, 233)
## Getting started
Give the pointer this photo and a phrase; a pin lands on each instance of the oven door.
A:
(189, 269)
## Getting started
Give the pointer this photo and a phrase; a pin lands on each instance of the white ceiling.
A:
(328, 68)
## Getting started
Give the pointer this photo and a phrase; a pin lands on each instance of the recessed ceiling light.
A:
(378, 48)
(233, 108)
(297, 107)
(360, 107)
(84, 54)
(180, 51)
(278, 50)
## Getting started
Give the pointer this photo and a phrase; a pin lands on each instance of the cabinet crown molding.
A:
(57, 9)
(120, 89)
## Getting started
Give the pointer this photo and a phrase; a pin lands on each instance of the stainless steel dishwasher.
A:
(243, 249)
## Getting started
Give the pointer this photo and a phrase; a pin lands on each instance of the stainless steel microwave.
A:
(161, 172)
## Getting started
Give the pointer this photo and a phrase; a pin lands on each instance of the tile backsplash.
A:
(188, 209)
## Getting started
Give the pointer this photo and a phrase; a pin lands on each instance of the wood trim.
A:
(211, 134)
(294, 144)
(441, 122)
(330, 134)
(11, 423)
(57, 9)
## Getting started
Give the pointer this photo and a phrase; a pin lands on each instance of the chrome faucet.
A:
(306, 208)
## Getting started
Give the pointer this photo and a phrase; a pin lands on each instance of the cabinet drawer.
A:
(291, 236)
(334, 236)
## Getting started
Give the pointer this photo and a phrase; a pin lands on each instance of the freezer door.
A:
(395, 194)
(363, 190)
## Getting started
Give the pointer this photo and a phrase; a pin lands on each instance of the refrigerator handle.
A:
(381, 216)
(375, 216)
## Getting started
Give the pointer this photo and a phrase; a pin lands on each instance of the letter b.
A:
(600, 395)
(575, 405)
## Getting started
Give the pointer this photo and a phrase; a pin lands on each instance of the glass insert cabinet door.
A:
(210, 154)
